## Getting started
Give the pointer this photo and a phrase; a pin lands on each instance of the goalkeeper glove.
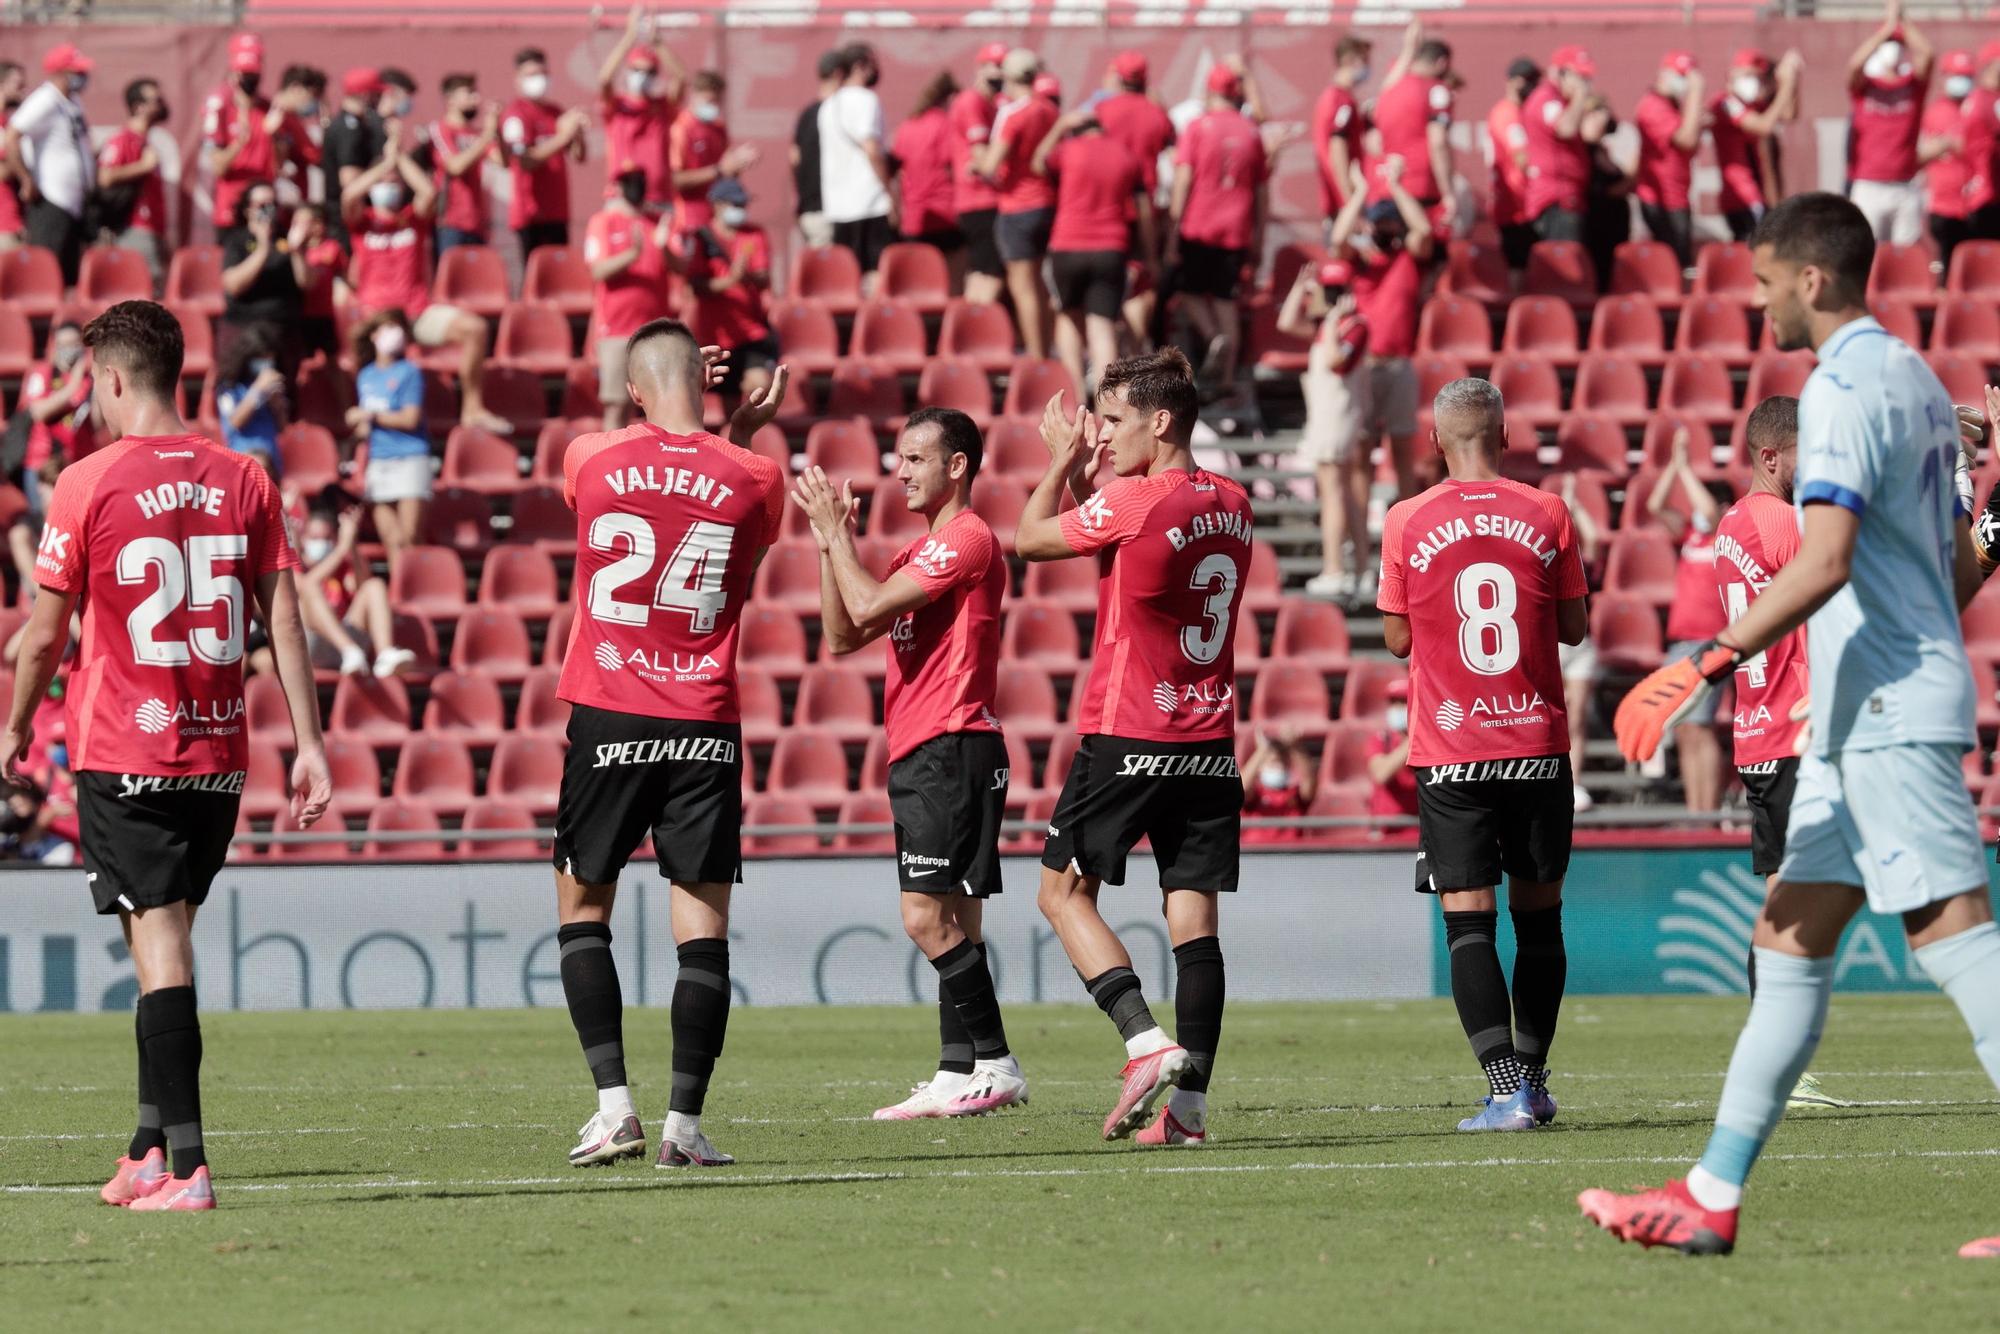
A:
(1670, 696)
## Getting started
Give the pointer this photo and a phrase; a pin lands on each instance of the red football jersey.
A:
(149, 210)
(392, 261)
(541, 194)
(1022, 125)
(464, 197)
(1510, 178)
(1978, 140)
(1404, 113)
(1946, 175)
(1882, 132)
(634, 295)
(164, 538)
(971, 122)
(1225, 156)
(1142, 125)
(692, 144)
(635, 131)
(922, 149)
(1478, 567)
(669, 530)
(1666, 171)
(1096, 178)
(1735, 155)
(1558, 168)
(1173, 550)
(1336, 115)
(944, 662)
(1757, 535)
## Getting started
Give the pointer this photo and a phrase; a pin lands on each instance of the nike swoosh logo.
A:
(919, 875)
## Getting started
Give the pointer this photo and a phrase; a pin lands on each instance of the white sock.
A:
(1152, 1040)
(949, 1083)
(1711, 1191)
(615, 1101)
(1190, 1109)
(682, 1127)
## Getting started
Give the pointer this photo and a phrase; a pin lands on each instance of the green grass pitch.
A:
(406, 1171)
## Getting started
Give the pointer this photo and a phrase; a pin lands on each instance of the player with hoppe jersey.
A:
(671, 523)
(939, 606)
(1481, 581)
(1157, 717)
(1880, 815)
(166, 542)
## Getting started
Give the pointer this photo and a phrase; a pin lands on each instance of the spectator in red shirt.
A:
(1553, 119)
(55, 394)
(1509, 146)
(13, 88)
(326, 262)
(540, 139)
(1098, 182)
(1742, 123)
(1338, 124)
(630, 256)
(971, 114)
(252, 139)
(1388, 242)
(728, 265)
(1670, 121)
(639, 89)
(1941, 154)
(699, 152)
(1026, 206)
(461, 145)
(131, 197)
(1332, 387)
(388, 209)
(1219, 207)
(1888, 77)
(1682, 506)
(1979, 141)
(1392, 782)
(920, 157)
(1413, 120)
(1279, 781)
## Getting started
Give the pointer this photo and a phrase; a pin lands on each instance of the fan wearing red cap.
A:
(251, 141)
(1669, 119)
(970, 116)
(1888, 77)
(1941, 156)
(1130, 116)
(1413, 120)
(1320, 309)
(1742, 124)
(639, 89)
(1979, 144)
(1220, 204)
(1560, 134)
(1338, 124)
(63, 165)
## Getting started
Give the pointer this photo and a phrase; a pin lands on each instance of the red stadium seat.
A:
(1433, 374)
(891, 334)
(1262, 584)
(806, 331)
(1981, 622)
(479, 461)
(357, 776)
(521, 579)
(516, 395)
(1899, 317)
(467, 707)
(757, 700)
(1626, 631)
(1561, 269)
(1267, 346)
(789, 576)
(374, 711)
(1613, 385)
(327, 851)
(457, 518)
(266, 785)
(1715, 327)
(1030, 385)
(1904, 271)
(1365, 697)
(428, 582)
(17, 344)
(1290, 260)
(1000, 501)
(866, 808)
(875, 762)
(1477, 273)
(494, 816)
(779, 812)
(916, 274)
(325, 394)
(1631, 327)
(541, 517)
(773, 639)
(493, 640)
(1657, 448)
(889, 512)
(1723, 269)
(555, 644)
(31, 281)
(581, 401)
(949, 382)
(435, 771)
(1698, 386)
(1647, 268)
(551, 443)
(558, 275)
(1985, 695)
(810, 766)
(829, 275)
(1776, 373)
(1975, 270)
(197, 340)
(1014, 449)
(1455, 326)
(1343, 761)
(268, 713)
(1969, 326)
(846, 448)
(527, 770)
(474, 278)
(310, 456)
(1963, 377)
(1041, 634)
(1541, 326)
(1592, 441)
(1062, 754)
(441, 401)
(533, 338)
(1531, 389)
(194, 278)
(1644, 564)
(112, 273)
(866, 389)
(1025, 698)
(1310, 634)
(1069, 584)
(836, 700)
(1247, 646)
(541, 709)
(980, 333)
(770, 441)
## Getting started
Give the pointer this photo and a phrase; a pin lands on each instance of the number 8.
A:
(1476, 619)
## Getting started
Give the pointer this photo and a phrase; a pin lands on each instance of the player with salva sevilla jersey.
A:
(940, 608)
(671, 522)
(1481, 580)
(1157, 757)
(166, 542)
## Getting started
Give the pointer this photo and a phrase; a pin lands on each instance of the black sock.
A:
(1479, 989)
(967, 1008)
(700, 1020)
(1116, 991)
(1198, 994)
(596, 1004)
(171, 1033)
(1751, 969)
(1541, 967)
(148, 1136)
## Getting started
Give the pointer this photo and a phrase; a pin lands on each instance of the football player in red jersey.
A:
(948, 771)
(163, 539)
(671, 522)
(1481, 580)
(1158, 717)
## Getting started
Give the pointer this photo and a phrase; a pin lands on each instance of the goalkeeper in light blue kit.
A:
(1881, 814)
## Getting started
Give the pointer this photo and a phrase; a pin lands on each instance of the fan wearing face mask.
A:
(251, 139)
(1278, 784)
(639, 89)
(1670, 118)
(55, 394)
(1392, 783)
(50, 131)
(729, 266)
(1941, 153)
(631, 259)
(540, 139)
(1743, 121)
(461, 145)
(388, 424)
(699, 152)
(132, 199)
(1888, 77)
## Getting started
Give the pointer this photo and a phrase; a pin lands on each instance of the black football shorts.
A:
(627, 775)
(1478, 820)
(949, 797)
(1186, 796)
(1769, 786)
(150, 841)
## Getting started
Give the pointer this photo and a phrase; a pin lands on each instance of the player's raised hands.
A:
(312, 786)
(714, 361)
(825, 508)
(759, 408)
(1070, 439)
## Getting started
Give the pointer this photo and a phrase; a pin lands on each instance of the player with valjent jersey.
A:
(1158, 718)
(166, 542)
(1481, 580)
(671, 522)
(939, 605)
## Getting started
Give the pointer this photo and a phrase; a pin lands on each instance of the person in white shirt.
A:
(50, 134)
(854, 162)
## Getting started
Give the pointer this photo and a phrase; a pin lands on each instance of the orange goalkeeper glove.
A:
(1668, 697)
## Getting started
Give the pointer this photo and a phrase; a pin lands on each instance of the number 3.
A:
(1480, 621)
(1216, 576)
